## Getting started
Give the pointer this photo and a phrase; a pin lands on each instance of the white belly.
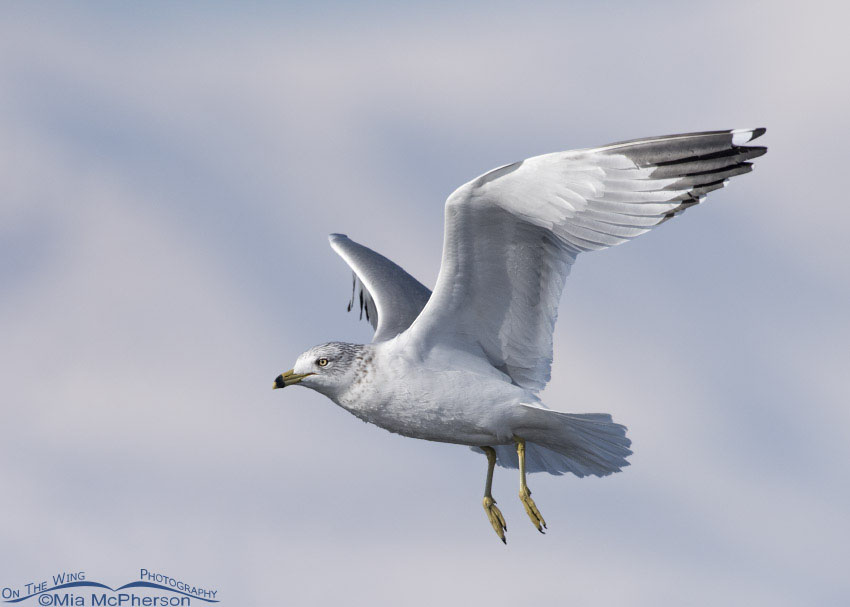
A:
(470, 404)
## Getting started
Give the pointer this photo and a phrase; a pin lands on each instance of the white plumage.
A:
(464, 364)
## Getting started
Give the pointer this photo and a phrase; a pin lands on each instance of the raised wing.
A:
(390, 297)
(512, 234)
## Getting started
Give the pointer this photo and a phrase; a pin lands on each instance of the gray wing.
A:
(390, 297)
(512, 235)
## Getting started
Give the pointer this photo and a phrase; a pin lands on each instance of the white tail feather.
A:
(582, 443)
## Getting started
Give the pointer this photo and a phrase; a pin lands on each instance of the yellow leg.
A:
(525, 492)
(493, 513)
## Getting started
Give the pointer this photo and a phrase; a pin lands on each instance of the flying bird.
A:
(465, 363)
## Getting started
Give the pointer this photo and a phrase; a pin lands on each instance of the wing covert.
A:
(512, 235)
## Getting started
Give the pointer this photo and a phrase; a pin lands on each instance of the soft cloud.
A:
(168, 185)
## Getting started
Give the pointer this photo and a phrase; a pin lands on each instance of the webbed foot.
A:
(531, 509)
(496, 518)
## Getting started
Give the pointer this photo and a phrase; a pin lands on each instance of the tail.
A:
(584, 444)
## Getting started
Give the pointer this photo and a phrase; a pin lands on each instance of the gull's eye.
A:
(322, 362)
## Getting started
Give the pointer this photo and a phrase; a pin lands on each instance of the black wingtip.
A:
(754, 151)
(741, 137)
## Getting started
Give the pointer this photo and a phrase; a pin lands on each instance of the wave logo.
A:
(66, 586)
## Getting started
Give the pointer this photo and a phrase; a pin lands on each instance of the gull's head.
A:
(327, 368)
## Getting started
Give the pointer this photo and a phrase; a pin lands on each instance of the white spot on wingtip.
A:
(741, 136)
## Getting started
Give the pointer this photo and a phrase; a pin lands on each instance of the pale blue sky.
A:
(170, 176)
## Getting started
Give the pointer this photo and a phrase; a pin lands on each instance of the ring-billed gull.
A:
(465, 363)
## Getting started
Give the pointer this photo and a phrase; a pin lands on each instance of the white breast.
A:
(448, 396)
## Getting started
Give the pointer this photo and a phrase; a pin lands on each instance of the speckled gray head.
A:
(326, 368)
